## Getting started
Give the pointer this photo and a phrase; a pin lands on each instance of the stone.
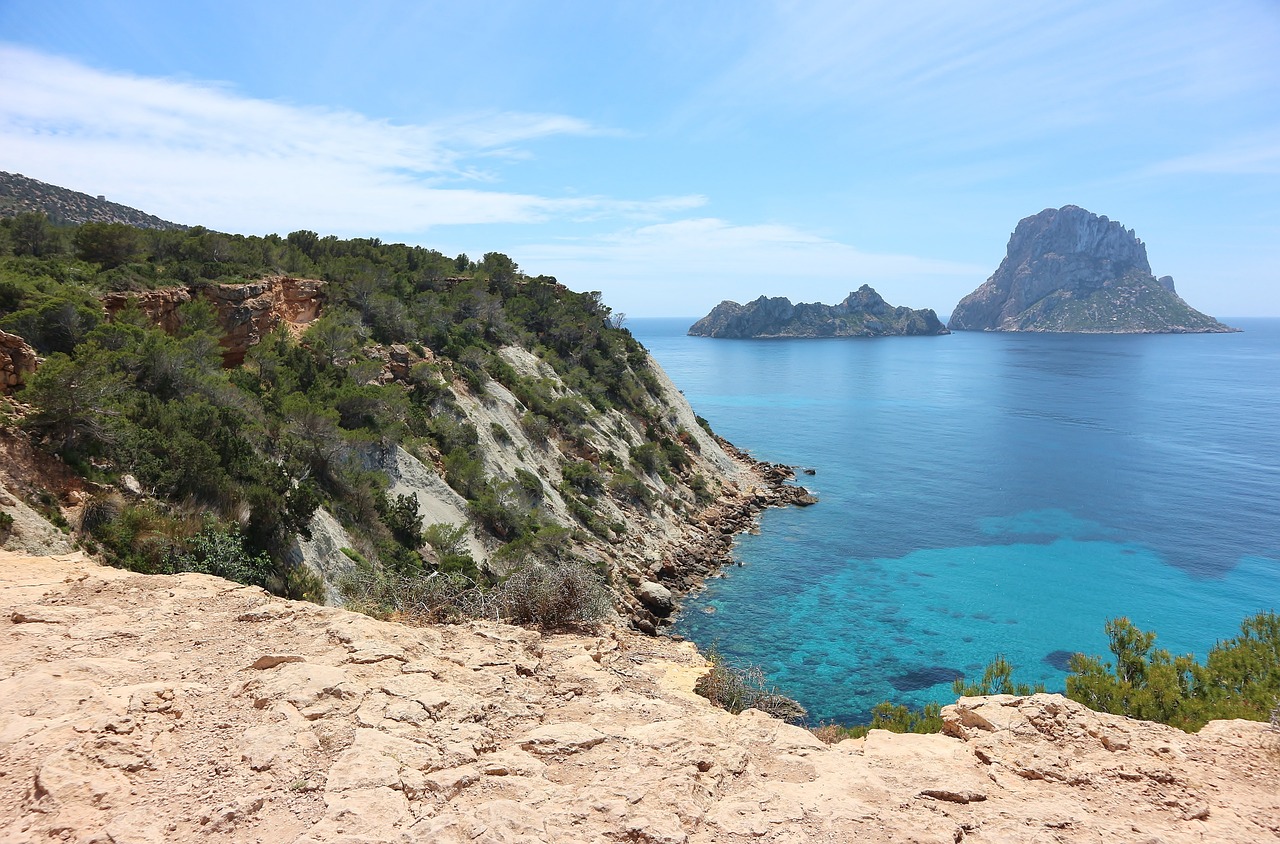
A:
(272, 660)
(1067, 269)
(656, 597)
(562, 739)
(167, 735)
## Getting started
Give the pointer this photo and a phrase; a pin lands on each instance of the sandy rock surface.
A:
(160, 709)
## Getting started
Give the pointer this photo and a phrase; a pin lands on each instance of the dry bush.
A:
(558, 597)
(100, 510)
(736, 689)
(433, 598)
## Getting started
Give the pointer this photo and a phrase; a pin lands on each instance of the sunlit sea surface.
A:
(987, 494)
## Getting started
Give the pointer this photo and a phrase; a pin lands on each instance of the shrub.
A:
(626, 485)
(415, 599)
(6, 525)
(1239, 679)
(735, 689)
(584, 477)
(100, 510)
(220, 550)
(997, 679)
(557, 597)
(649, 458)
(893, 717)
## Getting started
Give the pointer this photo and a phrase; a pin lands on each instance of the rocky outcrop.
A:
(177, 709)
(1069, 270)
(17, 362)
(246, 312)
(863, 313)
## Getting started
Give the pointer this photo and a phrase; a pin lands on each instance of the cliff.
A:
(655, 502)
(148, 709)
(245, 312)
(17, 362)
(863, 313)
(1069, 270)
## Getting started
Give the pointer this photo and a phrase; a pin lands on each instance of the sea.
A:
(986, 494)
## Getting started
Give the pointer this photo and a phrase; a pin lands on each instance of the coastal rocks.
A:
(1069, 270)
(656, 597)
(186, 708)
(17, 363)
(863, 313)
(705, 545)
(246, 312)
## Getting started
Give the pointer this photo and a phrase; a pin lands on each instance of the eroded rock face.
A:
(863, 313)
(1069, 270)
(176, 709)
(246, 312)
(17, 362)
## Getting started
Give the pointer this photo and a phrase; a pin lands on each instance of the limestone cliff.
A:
(863, 313)
(1069, 270)
(149, 709)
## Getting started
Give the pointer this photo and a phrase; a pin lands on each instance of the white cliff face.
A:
(322, 554)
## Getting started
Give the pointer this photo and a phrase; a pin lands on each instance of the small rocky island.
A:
(1067, 269)
(863, 313)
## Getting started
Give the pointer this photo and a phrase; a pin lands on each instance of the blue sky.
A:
(672, 155)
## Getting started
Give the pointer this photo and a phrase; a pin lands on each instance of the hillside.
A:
(182, 708)
(863, 313)
(351, 421)
(19, 194)
(1069, 270)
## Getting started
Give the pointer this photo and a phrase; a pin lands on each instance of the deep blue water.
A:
(984, 494)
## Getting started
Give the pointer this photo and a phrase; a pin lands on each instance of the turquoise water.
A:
(984, 494)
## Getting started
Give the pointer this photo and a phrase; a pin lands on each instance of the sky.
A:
(673, 155)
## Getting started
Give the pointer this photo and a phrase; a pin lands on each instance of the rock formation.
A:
(246, 312)
(862, 314)
(146, 709)
(17, 361)
(1070, 270)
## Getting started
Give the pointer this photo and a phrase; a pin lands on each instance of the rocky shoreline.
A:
(682, 566)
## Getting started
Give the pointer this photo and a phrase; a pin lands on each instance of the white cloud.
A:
(686, 267)
(199, 152)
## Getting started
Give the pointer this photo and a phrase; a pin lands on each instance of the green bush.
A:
(583, 477)
(220, 550)
(1240, 678)
(997, 679)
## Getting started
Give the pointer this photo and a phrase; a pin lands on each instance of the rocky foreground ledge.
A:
(162, 709)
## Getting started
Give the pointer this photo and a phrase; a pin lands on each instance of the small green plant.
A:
(6, 525)
(997, 679)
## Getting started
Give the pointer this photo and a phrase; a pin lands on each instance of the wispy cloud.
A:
(1254, 156)
(706, 260)
(201, 152)
(988, 73)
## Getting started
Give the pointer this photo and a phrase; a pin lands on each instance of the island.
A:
(863, 313)
(1070, 270)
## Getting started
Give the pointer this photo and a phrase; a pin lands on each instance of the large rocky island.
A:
(1067, 269)
(863, 313)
